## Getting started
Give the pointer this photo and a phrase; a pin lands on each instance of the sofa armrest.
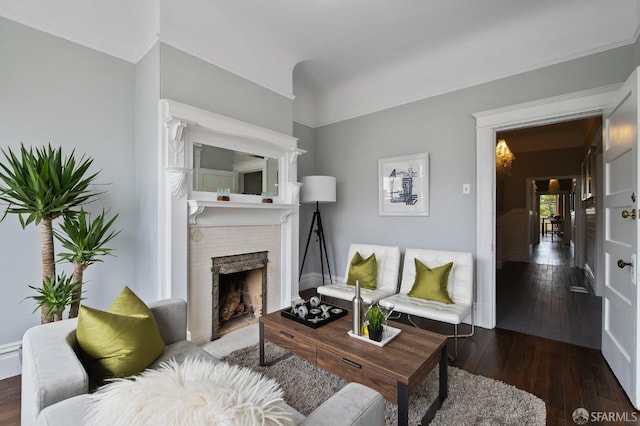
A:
(354, 404)
(51, 370)
(171, 317)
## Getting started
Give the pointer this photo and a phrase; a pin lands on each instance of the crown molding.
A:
(331, 110)
(303, 123)
(463, 85)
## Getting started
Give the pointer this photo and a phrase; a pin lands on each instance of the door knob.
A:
(626, 214)
(622, 263)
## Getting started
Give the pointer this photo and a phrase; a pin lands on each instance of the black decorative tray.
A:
(315, 315)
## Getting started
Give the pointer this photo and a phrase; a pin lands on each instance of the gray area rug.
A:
(472, 399)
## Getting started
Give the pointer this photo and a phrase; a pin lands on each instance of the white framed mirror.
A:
(241, 172)
(222, 161)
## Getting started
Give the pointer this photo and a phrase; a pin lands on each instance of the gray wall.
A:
(213, 157)
(193, 81)
(306, 167)
(168, 73)
(444, 127)
(55, 91)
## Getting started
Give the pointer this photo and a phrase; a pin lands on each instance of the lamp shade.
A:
(318, 188)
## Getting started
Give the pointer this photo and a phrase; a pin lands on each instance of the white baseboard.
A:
(483, 316)
(10, 360)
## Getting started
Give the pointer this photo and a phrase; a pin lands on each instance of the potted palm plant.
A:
(39, 186)
(375, 318)
(85, 240)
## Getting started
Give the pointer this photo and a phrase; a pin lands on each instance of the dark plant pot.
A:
(375, 334)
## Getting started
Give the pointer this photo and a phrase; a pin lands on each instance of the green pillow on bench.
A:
(431, 284)
(365, 270)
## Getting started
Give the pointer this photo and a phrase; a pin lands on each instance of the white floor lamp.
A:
(318, 189)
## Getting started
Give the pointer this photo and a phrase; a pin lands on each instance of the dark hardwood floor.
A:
(536, 298)
(565, 376)
(10, 401)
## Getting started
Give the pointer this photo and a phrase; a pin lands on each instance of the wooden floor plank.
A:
(536, 298)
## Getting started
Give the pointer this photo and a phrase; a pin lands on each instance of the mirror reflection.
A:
(241, 172)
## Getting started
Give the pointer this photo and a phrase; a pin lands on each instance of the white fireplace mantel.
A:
(229, 213)
(181, 207)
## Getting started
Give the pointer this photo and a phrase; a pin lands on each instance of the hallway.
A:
(535, 298)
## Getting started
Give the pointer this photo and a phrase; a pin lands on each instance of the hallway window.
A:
(548, 205)
(548, 208)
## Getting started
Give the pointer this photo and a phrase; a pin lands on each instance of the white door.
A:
(620, 295)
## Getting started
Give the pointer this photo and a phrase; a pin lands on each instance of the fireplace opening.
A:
(238, 299)
(239, 291)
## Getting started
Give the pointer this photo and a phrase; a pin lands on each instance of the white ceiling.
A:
(351, 57)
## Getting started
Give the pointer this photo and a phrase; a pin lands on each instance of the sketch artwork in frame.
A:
(403, 185)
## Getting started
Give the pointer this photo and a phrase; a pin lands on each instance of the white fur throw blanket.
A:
(195, 392)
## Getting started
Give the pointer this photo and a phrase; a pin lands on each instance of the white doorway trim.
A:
(545, 111)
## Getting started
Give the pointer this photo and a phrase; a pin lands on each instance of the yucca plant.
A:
(85, 241)
(39, 186)
(55, 295)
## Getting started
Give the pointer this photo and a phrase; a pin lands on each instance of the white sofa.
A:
(56, 386)
(460, 288)
(388, 261)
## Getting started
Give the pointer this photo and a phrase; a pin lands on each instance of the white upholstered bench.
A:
(459, 287)
(388, 260)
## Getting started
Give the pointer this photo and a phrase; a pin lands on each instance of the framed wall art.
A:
(403, 185)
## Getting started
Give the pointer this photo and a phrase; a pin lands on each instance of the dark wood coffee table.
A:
(394, 370)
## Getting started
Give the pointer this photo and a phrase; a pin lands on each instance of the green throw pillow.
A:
(431, 284)
(365, 270)
(120, 342)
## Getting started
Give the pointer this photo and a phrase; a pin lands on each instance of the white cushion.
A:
(438, 311)
(346, 292)
(388, 262)
(460, 286)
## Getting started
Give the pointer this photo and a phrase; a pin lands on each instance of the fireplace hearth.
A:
(239, 290)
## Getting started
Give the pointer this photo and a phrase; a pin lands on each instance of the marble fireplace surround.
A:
(185, 213)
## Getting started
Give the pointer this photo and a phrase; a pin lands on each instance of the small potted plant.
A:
(375, 318)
